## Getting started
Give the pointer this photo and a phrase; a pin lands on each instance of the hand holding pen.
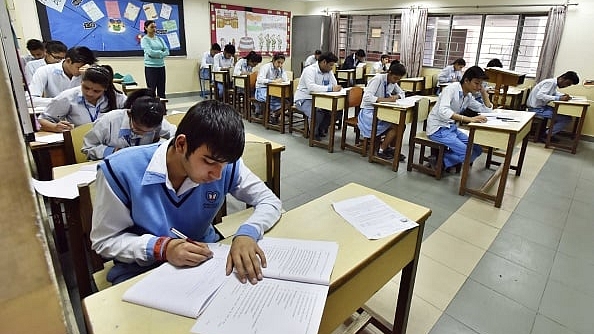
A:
(64, 125)
(185, 251)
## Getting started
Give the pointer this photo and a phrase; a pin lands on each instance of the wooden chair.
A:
(355, 98)
(175, 119)
(296, 117)
(73, 142)
(251, 112)
(421, 139)
(203, 82)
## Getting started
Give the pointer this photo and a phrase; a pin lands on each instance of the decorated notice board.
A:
(264, 31)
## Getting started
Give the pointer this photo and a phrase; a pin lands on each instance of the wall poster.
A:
(265, 31)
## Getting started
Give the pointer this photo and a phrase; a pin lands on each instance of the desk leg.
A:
(331, 130)
(521, 156)
(276, 170)
(43, 162)
(398, 146)
(466, 165)
(59, 226)
(505, 171)
(312, 120)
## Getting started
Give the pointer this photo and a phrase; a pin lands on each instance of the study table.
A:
(413, 85)
(332, 102)
(575, 108)
(47, 155)
(241, 86)
(283, 91)
(362, 267)
(497, 136)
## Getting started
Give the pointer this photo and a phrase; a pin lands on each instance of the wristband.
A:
(165, 244)
(157, 250)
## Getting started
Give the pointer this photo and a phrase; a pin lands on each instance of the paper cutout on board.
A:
(173, 40)
(150, 11)
(166, 11)
(113, 9)
(93, 11)
(54, 4)
(170, 25)
(89, 25)
(131, 12)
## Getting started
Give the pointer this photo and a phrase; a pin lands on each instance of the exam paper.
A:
(53, 138)
(65, 187)
(372, 217)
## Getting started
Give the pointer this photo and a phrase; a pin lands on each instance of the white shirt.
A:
(49, 81)
(543, 93)
(111, 217)
(313, 80)
(378, 87)
(70, 105)
(378, 67)
(242, 66)
(449, 74)
(310, 60)
(207, 59)
(220, 61)
(112, 131)
(32, 67)
(451, 101)
(268, 73)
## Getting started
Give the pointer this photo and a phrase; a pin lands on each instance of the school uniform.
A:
(242, 66)
(543, 93)
(377, 87)
(379, 67)
(220, 62)
(266, 74)
(32, 67)
(207, 60)
(71, 106)
(314, 80)
(136, 204)
(112, 131)
(48, 82)
(449, 74)
(442, 129)
(310, 60)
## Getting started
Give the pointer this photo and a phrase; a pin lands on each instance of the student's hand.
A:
(185, 253)
(278, 80)
(391, 98)
(62, 126)
(565, 97)
(247, 258)
(478, 119)
(336, 88)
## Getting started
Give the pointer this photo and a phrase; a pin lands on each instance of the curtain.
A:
(412, 41)
(334, 32)
(550, 45)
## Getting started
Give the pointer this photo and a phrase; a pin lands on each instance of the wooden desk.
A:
(516, 95)
(397, 114)
(333, 102)
(241, 85)
(362, 267)
(350, 76)
(277, 149)
(503, 79)
(575, 108)
(504, 137)
(412, 85)
(284, 91)
(222, 77)
(47, 156)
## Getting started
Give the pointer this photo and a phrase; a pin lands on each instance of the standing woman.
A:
(155, 51)
(271, 72)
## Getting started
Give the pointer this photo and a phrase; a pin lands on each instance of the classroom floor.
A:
(525, 268)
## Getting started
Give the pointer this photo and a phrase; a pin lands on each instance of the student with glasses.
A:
(94, 96)
(140, 122)
(55, 53)
(51, 80)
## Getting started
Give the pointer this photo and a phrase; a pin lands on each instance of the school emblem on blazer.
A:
(212, 196)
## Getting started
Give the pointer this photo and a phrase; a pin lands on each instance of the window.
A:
(376, 34)
(515, 39)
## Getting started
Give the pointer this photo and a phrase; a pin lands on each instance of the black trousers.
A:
(155, 80)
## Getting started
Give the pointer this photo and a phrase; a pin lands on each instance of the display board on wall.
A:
(265, 31)
(112, 27)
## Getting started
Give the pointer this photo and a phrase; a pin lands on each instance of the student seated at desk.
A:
(545, 92)
(317, 78)
(482, 95)
(144, 191)
(51, 80)
(222, 62)
(208, 59)
(55, 51)
(451, 73)
(94, 96)
(381, 66)
(382, 88)
(452, 101)
(271, 72)
(36, 50)
(351, 62)
(139, 123)
(312, 59)
(245, 65)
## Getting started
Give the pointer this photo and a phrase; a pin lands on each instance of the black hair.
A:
(571, 76)
(253, 57)
(459, 61)
(278, 56)
(147, 23)
(216, 47)
(216, 125)
(494, 63)
(230, 48)
(360, 53)
(103, 75)
(318, 52)
(474, 72)
(329, 57)
(35, 44)
(147, 111)
(81, 54)
(397, 69)
(395, 61)
(384, 57)
(55, 47)
(137, 94)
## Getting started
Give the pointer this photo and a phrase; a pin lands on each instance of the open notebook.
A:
(293, 291)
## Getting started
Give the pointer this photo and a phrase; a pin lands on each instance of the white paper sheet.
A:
(65, 187)
(53, 138)
(372, 217)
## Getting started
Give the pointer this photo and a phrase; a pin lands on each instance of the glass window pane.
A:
(499, 39)
(464, 42)
(530, 44)
(436, 41)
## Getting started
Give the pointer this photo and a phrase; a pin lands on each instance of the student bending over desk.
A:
(452, 101)
(139, 123)
(271, 72)
(95, 96)
(143, 191)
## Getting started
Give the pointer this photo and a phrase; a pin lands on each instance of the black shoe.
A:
(402, 157)
(432, 160)
(385, 155)
(555, 139)
(390, 150)
(317, 138)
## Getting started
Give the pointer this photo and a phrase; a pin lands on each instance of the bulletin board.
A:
(112, 28)
(265, 31)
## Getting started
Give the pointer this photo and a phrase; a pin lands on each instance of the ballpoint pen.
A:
(182, 236)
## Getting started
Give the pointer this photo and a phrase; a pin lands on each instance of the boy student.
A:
(50, 80)
(222, 62)
(55, 51)
(311, 59)
(208, 59)
(144, 191)
(382, 88)
(140, 122)
(545, 92)
(36, 50)
(452, 101)
(382, 65)
(317, 78)
(353, 60)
